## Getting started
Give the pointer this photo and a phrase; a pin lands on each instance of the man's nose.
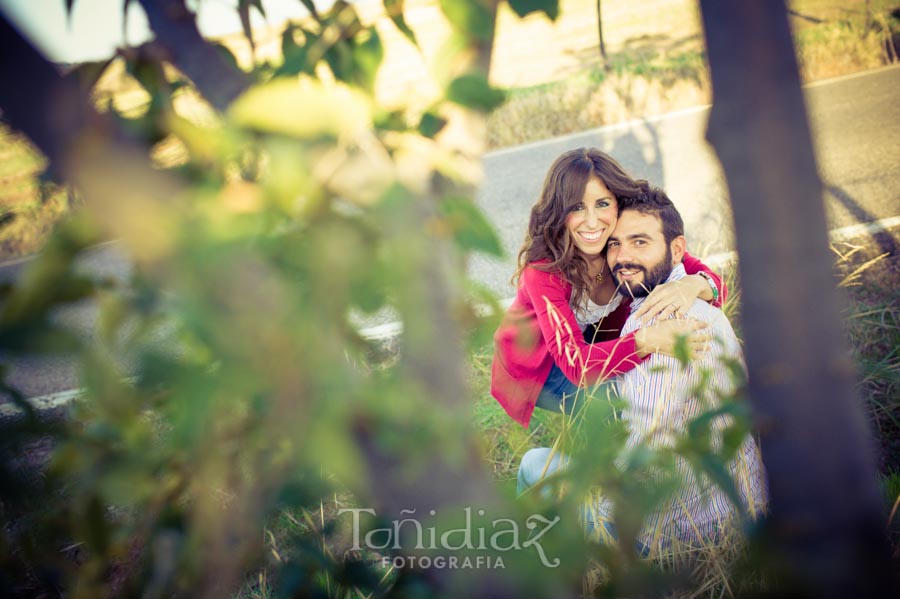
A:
(623, 256)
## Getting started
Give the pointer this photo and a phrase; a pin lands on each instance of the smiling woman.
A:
(561, 333)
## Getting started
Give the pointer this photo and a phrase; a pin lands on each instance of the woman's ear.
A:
(678, 247)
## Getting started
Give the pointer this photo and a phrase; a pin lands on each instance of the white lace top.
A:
(589, 312)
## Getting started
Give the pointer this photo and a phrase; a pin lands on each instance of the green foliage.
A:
(473, 91)
(471, 18)
(469, 227)
(394, 9)
(228, 388)
(431, 124)
(243, 9)
(228, 381)
(524, 8)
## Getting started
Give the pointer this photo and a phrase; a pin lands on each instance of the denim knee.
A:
(533, 465)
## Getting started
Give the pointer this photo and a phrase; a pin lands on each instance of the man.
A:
(663, 396)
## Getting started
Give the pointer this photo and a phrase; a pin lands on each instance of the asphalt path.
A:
(856, 127)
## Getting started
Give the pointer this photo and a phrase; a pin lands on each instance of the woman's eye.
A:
(577, 207)
(602, 203)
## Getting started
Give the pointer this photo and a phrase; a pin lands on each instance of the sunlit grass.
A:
(653, 75)
(29, 209)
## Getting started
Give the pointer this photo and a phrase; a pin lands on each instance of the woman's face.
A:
(591, 221)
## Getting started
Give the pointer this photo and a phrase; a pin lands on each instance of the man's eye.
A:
(612, 244)
(640, 242)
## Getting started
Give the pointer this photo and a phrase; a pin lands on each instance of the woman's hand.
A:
(673, 298)
(662, 337)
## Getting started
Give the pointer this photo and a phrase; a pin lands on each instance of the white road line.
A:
(624, 125)
(43, 402)
(876, 226)
(840, 78)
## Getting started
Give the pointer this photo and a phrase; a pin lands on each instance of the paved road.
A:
(856, 124)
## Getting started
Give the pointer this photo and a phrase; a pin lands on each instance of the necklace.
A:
(599, 278)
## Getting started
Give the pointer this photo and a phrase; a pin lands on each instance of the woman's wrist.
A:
(708, 292)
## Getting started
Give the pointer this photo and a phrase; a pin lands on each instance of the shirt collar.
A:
(678, 272)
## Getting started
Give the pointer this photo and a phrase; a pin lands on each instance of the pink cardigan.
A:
(539, 328)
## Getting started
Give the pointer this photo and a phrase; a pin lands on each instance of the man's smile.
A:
(627, 271)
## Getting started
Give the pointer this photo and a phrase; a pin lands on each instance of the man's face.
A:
(638, 254)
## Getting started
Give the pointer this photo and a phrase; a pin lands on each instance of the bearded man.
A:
(663, 395)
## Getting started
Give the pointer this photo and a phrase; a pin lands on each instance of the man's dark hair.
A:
(655, 201)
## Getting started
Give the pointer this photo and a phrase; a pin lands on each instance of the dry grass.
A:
(657, 63)
(28, 208)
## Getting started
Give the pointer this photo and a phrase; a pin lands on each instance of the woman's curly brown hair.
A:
(547, 237)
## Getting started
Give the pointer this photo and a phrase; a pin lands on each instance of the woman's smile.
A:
(592, 237)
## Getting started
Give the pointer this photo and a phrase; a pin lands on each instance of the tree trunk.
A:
(175, 28)
(603, 57)
(825, 521)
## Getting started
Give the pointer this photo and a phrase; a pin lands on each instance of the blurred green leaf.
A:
(227, 55)
(148, 71)
(367, 57)
(345, 19)
(717, 470)
(308, 110)
(470, 229)
(311, 7)
(471, 18)
(394, 9)
(472, 90)
(243, 9)
(295, 55)
(431, 124)
(96, 526)
(114, 311)
(681, 351)
(526, 7)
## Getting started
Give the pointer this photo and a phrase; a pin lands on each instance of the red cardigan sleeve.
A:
(581, 362)
(692, 266)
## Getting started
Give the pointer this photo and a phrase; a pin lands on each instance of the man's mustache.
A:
(628, 266)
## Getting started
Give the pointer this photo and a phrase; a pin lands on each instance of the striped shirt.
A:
(662, 396)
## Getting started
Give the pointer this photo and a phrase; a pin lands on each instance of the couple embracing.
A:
(605, 288)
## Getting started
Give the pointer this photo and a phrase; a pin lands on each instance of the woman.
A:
(541, 357)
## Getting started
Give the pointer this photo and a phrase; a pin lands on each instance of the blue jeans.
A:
(537, 464)
(558, 392)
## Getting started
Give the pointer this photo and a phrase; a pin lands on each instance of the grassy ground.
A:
(28, 208)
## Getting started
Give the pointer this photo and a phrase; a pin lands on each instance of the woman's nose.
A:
(591, 217)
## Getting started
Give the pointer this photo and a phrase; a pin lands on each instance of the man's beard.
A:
(656, 276)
